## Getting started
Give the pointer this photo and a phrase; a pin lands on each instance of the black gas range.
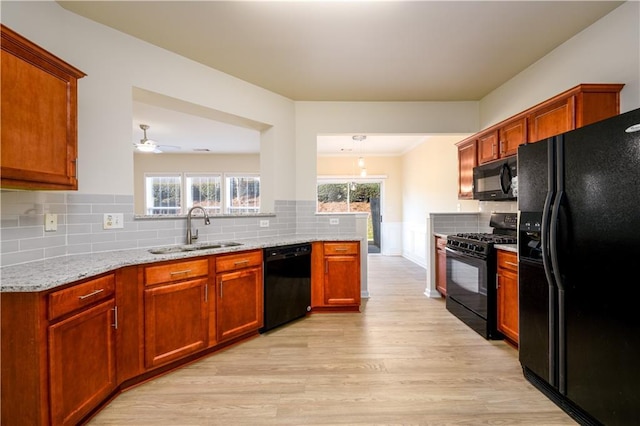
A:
(471, 273)
(478, 244)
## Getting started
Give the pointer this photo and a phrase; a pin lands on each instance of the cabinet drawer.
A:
(175, 271)
(70, 299)
(340, 248)
(230, 262)
(507, 260)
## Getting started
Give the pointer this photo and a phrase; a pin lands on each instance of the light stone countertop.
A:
(507, 247)
(50, 273)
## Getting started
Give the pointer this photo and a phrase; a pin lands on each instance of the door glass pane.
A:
(333, 197)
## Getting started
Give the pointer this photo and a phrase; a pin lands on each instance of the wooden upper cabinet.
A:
(488, 149)
(39, 117)
(503, 141)
(552, 119)
(581, 105)
(575, 108)
(467, 160)
(512, 135)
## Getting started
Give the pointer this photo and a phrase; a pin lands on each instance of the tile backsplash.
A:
(80, 225)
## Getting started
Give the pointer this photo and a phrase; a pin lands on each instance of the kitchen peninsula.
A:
(94, 325)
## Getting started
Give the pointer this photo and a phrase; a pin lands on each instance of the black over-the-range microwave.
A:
(497, 180)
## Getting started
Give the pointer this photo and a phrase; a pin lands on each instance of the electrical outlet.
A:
(334, 221)
(113, 221)
(264, 223)
(50, 222)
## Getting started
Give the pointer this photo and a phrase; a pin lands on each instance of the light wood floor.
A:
(403, 360)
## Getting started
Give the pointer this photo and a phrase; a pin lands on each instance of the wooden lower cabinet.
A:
(92, 339)
(336, 275)
(175, 321)
(175, 310)
(441, 265)
(82, 362)
(58, 353)
(239, 294)
(507, 286)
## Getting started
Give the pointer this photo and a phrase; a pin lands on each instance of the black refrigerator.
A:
(579, 264)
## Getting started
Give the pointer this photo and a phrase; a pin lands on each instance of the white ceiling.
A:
(352, 50)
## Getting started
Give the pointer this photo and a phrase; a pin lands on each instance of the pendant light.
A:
(363, 170)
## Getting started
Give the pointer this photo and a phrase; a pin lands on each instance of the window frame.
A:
(185, 196)
(243, 209)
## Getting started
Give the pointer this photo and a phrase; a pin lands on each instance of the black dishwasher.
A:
(287, 284)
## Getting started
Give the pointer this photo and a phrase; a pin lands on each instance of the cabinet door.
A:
(441, 265)
(488, 147)
(466, 162)
(82, 367)
(507, 283)
(342, 280)
(39, 117)
(175, 321)
(239, 303)
(512, 135)
(552, 119)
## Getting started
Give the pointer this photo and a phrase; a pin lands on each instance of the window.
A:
(243, 193)
(163, 193)
(205, 191)
(340, 196)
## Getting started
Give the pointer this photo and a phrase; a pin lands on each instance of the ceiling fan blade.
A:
(164, 148)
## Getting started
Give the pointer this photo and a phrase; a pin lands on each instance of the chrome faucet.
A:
(191, 237)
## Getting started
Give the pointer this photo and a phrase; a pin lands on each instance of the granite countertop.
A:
(507, 247)
(54, 272)
(440, 235)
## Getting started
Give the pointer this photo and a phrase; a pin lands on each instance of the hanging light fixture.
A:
(363, 170)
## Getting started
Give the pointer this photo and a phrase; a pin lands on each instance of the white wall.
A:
(181, 163)
(313, 118)
(115, 63)
(430, 184)
(606, 52)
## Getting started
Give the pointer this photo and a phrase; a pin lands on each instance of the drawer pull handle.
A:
(511, 263)
(93, 293)
(340, 249)
(241, 262)
(186, 271)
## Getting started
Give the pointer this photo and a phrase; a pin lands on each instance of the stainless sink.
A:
(192, 247)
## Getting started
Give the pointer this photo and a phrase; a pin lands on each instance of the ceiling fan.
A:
(149, 145)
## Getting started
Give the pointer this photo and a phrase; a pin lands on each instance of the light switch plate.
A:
(50, 222)
(334, 221)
